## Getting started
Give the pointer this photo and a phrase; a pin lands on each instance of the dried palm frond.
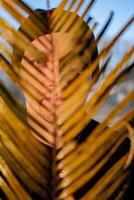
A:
(62, 154)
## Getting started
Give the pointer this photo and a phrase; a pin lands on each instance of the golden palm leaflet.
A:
(51, 147)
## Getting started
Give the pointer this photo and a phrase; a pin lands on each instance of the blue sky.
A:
(123, 9)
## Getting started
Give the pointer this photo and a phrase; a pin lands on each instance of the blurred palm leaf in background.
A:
(83, 163)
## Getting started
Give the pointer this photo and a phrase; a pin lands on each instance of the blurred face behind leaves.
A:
(40, 73)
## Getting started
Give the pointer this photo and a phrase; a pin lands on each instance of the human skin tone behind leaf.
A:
(40, 74)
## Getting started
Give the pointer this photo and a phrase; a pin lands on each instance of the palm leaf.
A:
(58, 155)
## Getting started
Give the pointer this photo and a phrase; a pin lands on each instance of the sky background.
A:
(123, 9)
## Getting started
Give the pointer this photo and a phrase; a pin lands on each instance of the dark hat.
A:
(40, 21)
